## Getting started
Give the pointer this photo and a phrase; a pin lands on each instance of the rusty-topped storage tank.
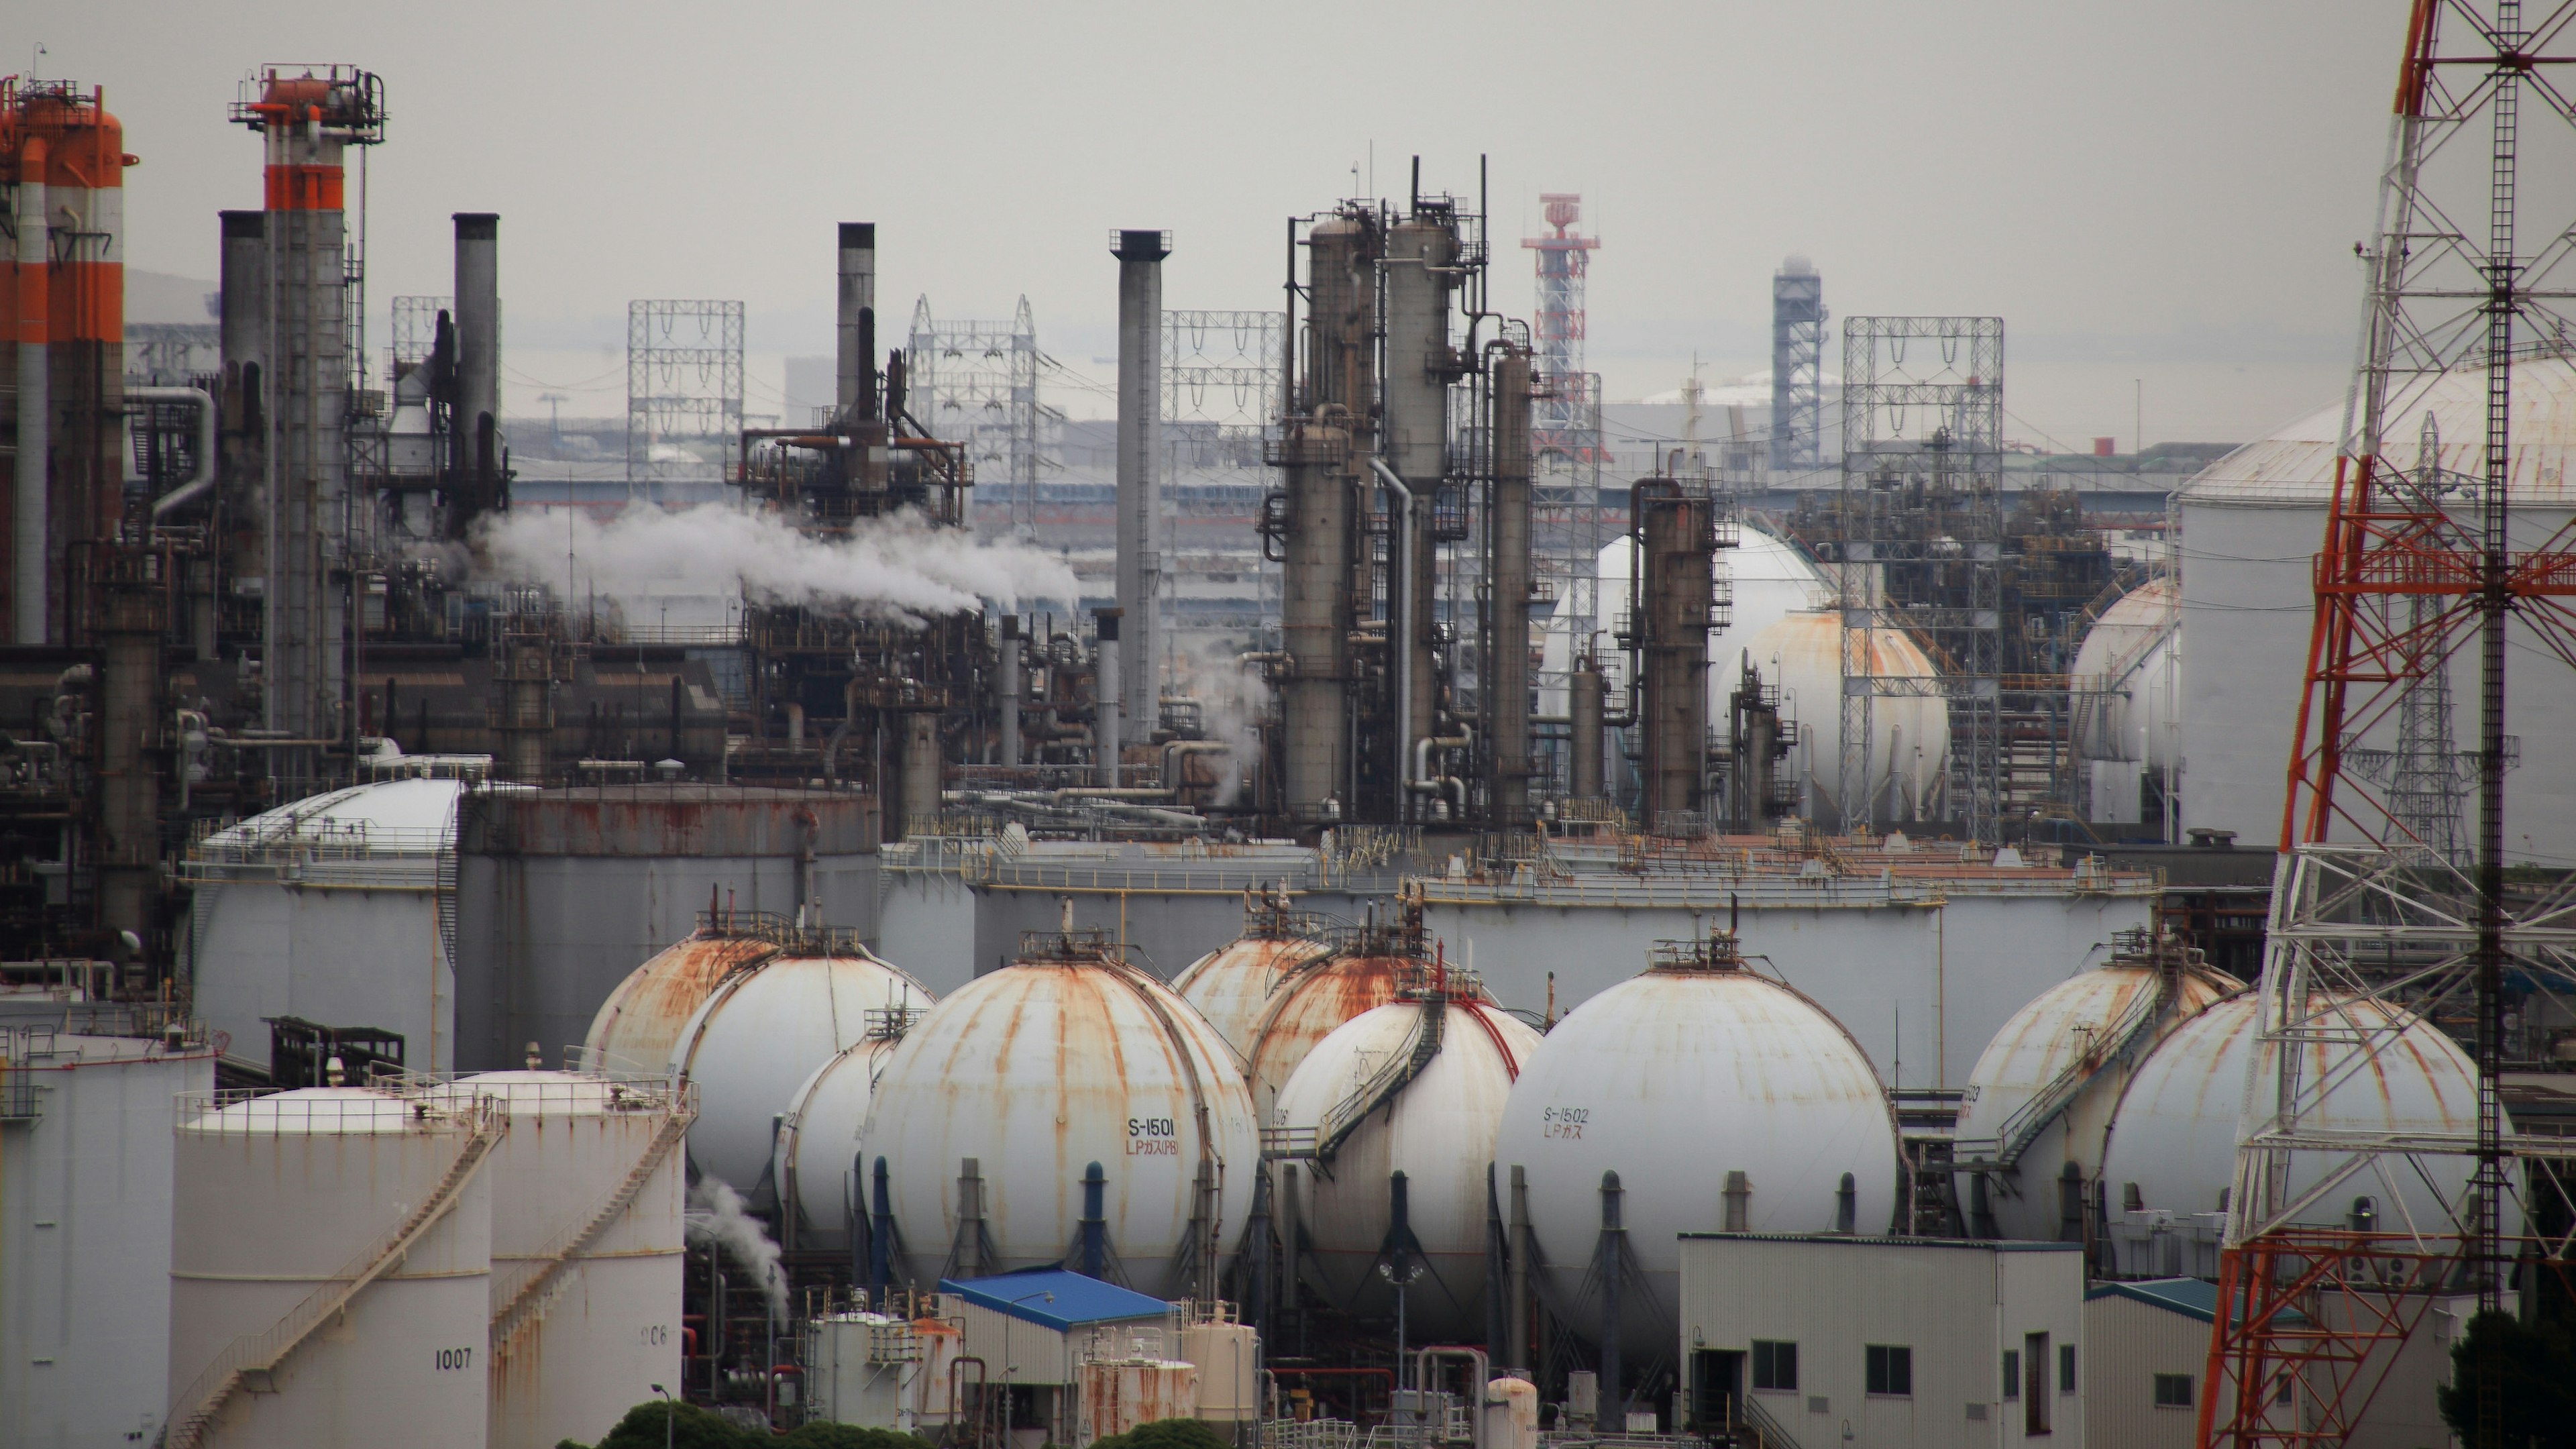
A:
(635, 1027)
(1364, 972)
(1231, 985)
(1069, 1063)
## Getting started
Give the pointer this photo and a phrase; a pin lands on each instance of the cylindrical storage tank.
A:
(763, 1032)
(1436, 1129)
(2249, 527)
(585, 1289)
(1693, 1078)
(2173, 1132)
(815, 1164)
(1909, 739)
(278, 1196)
(1510, 1414)
(641, 1020)
(1067, 1057)
(2101, 1023)
(1232, 985)
(2128, 677)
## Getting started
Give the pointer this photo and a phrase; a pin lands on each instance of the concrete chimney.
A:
(857, 397)
(1140, 492)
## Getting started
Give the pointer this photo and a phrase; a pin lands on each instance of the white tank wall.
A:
(2132, 659)
(1439, 1132)
(271, 1201)
(344, 957)
(1921, 989)
(85, 1197)
(1909, 739)
(926, 920)
(611, 1326)
(818, 1145)
(1037, 1071)
(1672, 1080)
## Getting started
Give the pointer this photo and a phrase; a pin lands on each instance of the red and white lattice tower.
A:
(1562, 421)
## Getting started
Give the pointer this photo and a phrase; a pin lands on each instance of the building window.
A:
(2066, 1368)
(2034, 1405)
(1890, 1369)
(2012, 1373)
(2173, 1391)
(1775, 1365)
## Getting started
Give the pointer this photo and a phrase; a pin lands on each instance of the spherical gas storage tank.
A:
(815, 1166)
(2041, 1094)
(1768, 578)
(2173, 1132)
(280, 1198)
(1364, 973)
(2249, 527)
(1909, 739)
(1676, 1081)
(1366, 1113)
(586, 1271)
(1066, 1058)
(762, 1032)
(1232, 985)
(634, 1029)
(2129, 674)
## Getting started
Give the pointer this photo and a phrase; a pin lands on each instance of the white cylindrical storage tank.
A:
(327, 909)
(282, 1197)
(2173, 1132)
(815, 1167)
(1679, 1080)
(1436, 1129)
(2102, 1024)
(585, 1290)
(1909, 739)
(2250, 525)
(2128, 678)
(1067, 1057)
(762, 1032)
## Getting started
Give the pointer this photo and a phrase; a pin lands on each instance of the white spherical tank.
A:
(1067, 1057)
(634, 1029)
(1310, 1004)
(1676, 1080)
(585, 1288)
(1768, 578)
(2173, 1132)
(2043, 1089)
(1909, 739)
(1232, 985)
(762, 1032)
(1437, 1129)
(284, 1197)
(2129, 674)
(2249, 527)
(820, 1185)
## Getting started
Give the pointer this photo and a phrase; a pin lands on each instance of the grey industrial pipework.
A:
(202, 476)
(478, 351)
(1007, 685)
(1399, 619)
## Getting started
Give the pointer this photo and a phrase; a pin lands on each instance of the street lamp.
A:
(670, 1413)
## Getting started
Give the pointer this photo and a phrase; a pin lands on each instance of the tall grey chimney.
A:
(1140, 491)
(857, 397)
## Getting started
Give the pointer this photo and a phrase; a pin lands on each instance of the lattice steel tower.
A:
(977, 383)
(1564, 421)
(1798, 319)
(683, 384)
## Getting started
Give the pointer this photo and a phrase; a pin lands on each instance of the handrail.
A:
(2027, 1121)
(1346, 1115)
(528, 1302)
(253, 1354)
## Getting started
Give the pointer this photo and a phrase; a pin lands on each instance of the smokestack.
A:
(478, 368)
(1140, 493)
(857, 399)
(31, 520)
(1508, 672)
(1105, 700)
(1007, 685)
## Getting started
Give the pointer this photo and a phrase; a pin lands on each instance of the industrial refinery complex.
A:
(1372, 897)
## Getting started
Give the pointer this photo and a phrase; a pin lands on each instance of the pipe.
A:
(1399, 640)
(1175, 750)
(202, 476)
(31, 516)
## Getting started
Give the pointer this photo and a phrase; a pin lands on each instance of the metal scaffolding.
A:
(976, 383)
(1224, 384)
(1798, 319)
(1922, 547)
(683, 386)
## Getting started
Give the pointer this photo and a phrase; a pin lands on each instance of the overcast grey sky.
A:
(2167, 191)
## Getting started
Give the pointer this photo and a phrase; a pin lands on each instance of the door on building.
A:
(2035, 1387)
(1717, 1386)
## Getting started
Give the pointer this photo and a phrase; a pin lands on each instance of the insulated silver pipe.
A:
(1399, 620)
(202, 476)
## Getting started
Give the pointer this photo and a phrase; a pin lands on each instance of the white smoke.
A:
(894, 568)
(716, 1216)
(1232, 700)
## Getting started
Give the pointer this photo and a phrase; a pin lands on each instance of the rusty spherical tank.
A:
(1307, 1007)
(635, 1027)
(1065, 1058)
(1437, 1128)
(2044, 1088)
(1231, 985)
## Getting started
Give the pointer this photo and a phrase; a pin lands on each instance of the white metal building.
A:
(1887, 1343)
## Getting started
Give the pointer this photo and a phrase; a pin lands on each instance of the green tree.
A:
(688, 1426)
(822, 1435)
(1167, 1434)
(2535, 1371)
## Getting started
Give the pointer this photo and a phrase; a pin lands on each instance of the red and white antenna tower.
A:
(1562, 421)
(2378, 926)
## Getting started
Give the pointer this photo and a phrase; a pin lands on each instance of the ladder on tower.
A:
(528, 1304)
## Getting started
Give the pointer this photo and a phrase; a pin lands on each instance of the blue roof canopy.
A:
(1056, 1298)
(2191, 1297)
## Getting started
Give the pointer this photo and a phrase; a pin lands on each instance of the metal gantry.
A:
(2377, 925)
(683, 385)
(1798, 319)
(976, 383)
(1921, 546)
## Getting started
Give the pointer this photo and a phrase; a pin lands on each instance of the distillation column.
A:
(1677, 534)
(1421, 262)
(1507, 693)
(1140, 491)
(242, 469)
(1317, 592)
(475, 434)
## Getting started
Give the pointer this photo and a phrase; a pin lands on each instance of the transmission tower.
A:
(683, 387)
(977, 383)
(1798, 319)
(2376, 928)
